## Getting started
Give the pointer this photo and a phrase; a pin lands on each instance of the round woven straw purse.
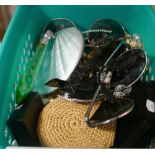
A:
(61, 125)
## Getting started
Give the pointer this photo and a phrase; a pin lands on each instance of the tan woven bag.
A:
(61, 125)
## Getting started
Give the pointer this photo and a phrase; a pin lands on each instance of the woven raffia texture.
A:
(61, 125)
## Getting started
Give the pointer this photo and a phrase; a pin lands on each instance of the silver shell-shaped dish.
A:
(66, 53)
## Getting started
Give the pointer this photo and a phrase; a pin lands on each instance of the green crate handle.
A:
(0, 49)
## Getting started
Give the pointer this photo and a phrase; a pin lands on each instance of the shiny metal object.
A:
(66, 53)
(136, 73)
(117, 106)
(58, 24)
(109, 112)
(86, 116)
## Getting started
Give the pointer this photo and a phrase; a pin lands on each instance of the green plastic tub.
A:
(28, 22)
